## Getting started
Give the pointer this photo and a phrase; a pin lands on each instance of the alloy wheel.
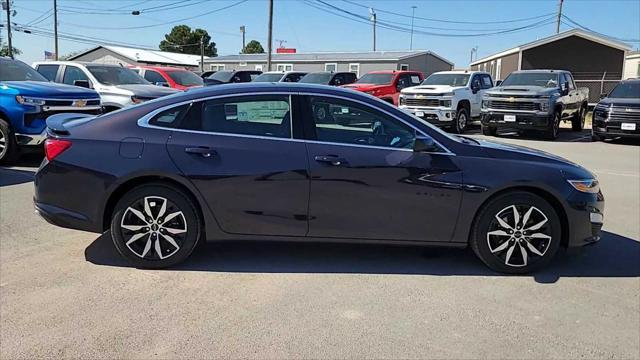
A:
(519, 235)
(462, 121)
(153, 223)
(3, 143)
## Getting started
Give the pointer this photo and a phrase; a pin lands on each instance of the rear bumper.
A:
(524, 120)
(65, 218)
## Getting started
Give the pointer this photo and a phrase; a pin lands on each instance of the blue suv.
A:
(27, 99)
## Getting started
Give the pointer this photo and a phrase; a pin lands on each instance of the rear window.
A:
(49, 71)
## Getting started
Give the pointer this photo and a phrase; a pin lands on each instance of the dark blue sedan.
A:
(299, 162)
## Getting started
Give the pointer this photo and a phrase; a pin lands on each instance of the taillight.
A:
(55, 147)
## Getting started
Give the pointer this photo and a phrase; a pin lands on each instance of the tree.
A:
(4, 49)
(183, 40)
(253, 47)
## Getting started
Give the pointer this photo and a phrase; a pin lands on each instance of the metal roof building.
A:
(130, 56)
(357, 62)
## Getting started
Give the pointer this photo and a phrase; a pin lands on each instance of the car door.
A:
(155, 77)
(73, 74)
(475, 99)
(565, 97)
(486, 84)
(368, 183)
(239, 153)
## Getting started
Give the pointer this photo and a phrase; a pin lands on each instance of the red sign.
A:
(285, 51)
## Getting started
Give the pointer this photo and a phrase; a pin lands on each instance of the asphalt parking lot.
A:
(66, 293)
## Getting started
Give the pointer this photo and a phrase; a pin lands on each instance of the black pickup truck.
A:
(536, 100)
(618, 113)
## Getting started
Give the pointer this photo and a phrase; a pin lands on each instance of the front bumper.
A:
(528, 120)
(614, 128)
(585, 216)
(439, 116)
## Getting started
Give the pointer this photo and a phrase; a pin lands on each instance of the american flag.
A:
(48, 55)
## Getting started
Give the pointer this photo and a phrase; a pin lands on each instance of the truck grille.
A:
(624, 114)
(515, 105)
(70, 102)
(422, 102)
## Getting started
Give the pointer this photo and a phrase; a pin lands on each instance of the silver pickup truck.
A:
(536, 100)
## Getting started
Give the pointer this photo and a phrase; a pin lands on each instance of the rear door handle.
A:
(330, 159)
(203, 151)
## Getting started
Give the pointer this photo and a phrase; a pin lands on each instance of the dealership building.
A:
(358, 62)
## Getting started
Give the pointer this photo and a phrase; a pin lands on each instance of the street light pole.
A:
(8, 7)
(269, 35)
(373, 19)
(242, 30)
(55, 28)
(202, 53)
(413, 14)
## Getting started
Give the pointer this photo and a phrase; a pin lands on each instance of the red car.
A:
(386, 84)
(176, 78)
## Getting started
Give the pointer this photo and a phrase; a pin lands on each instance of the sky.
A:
(307, 28)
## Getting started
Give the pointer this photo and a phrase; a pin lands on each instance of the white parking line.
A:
(607, 172)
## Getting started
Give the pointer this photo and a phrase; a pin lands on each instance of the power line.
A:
(574, 24)
(448, 21)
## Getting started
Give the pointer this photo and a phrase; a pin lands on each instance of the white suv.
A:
(448, 98)
(118, 86)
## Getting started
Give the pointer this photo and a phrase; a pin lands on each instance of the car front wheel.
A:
(9, 151)
(155, 226)
(462, 118)
(516, 233)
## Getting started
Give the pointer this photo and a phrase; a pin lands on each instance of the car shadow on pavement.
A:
(14, 176)
(566, 135)
(614, 256)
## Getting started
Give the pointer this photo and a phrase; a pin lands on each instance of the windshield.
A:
(542, 79)
(185, 78)
(14, 70)
(376, 79)
(626, 90)
(115, 75)
(268, 78)
(447, 79)
(222, 76)
(317, 78)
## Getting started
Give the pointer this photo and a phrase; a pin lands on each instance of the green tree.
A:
(4, 49)
(253, 47)
(183, 40)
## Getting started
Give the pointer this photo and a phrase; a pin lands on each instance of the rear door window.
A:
(73, 73)
(154, 77)
(49, 71)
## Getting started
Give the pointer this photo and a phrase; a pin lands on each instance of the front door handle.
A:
(330, 159)
(203, 151)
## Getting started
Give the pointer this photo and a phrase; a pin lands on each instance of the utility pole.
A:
(473, 50)
(242, 30)
(269, 35)
(8, 7)
(559, 16)
(413, 14)
(202, 53)
(55, 27)
(373, 19)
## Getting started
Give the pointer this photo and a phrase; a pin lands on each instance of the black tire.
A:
(577, 123)
(554, 127)
(507, 255)
(9, 150)
(461, 121)
(596, 137)
(488, 130)
(182, 230)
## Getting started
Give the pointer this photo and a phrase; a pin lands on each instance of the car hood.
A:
(44, 89)
(527, 90)
(365, 87)
(431, 89)
(148, 91)
(621, 102)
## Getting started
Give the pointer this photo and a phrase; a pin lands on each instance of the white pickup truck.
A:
(448, 99)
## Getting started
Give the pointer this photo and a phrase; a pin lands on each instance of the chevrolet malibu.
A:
(301, 162)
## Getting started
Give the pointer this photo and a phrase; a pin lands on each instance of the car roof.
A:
(461, 72)
(160, 68)
(394, 72)
(545, 71)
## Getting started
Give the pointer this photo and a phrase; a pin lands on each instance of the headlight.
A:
(448, 94)
(29, 100)
(485, 104)
(445, 103)
(135, 100)
(590, 186)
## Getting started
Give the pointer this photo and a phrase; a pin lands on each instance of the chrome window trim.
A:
(144, 122)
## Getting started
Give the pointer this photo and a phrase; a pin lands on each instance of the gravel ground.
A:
(66, 293)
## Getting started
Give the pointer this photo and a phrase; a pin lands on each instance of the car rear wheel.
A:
(9, 151)
(577, 123)
(155, 226)
(516, 233)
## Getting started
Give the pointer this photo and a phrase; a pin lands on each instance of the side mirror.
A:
(603, 95)
(498, 82)
(162, 83)
(82, 83)
(425, 144)
(475, 87)
(565, 88)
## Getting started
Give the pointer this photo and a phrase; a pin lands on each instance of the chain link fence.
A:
(597, 83)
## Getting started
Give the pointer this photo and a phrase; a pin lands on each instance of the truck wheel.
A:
(489, 131)
(554, 128)
(9, 150)
(462, 118)
(577, 123)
